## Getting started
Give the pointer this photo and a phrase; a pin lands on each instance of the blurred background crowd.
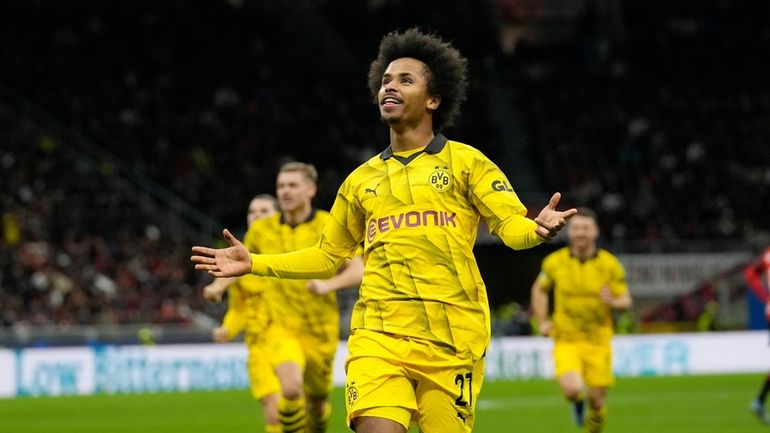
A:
(130, 131)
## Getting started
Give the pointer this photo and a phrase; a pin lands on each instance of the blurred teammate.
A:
(421, 326)
(304, 329)
(248, 313)
(754, 274)
(588, 283)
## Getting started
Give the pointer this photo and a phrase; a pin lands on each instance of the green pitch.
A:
(702, 404)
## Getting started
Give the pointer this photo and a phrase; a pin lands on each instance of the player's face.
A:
(260, 208)
(294, 191)
(582, 231)
(403, 96)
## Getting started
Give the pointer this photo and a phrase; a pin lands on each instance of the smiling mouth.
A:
(390, 101)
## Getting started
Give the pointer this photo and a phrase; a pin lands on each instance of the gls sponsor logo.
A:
(501, 185)
(409, 220)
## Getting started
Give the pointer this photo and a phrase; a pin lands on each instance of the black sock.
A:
(765, 390)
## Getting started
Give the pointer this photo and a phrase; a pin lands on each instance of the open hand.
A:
(232, 261)
(550, 221)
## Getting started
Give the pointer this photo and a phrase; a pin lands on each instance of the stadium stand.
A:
(660, 123)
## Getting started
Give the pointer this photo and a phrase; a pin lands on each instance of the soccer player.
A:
(753, 275)
(421, 325)
(587, 283)
(248, 313)
(304, 323)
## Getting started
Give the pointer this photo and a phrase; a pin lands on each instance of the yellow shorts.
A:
(315, 358)
(409, 380)
(593, 361)
(261, 374)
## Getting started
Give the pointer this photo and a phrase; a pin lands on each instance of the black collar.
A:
(435, 146)
(310, 217)
(591, 257)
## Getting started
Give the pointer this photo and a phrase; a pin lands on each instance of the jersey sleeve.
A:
(619, 283)
(339, 241)
(544, 278)
(235, 318)
(499, 205)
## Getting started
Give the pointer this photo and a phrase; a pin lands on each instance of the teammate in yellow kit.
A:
(421, 326)
(305, 330)
(247, 312)
(304, 327)
(588, 283)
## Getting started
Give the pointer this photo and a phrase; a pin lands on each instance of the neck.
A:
(297, 216)
(407, 138)
(584, 253)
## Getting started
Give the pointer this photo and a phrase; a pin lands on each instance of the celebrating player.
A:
(421, 326)
(588, 283)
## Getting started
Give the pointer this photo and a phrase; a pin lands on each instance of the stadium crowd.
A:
(150, 84)
(75, 248)
(659, 122)
(661, 127)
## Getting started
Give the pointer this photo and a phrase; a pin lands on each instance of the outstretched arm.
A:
(340, 238)
(350, 276)
(519, 232)
(235, 260)
(504, 213)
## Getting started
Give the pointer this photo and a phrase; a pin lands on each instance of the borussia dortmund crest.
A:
(352, 393)
(440, 179)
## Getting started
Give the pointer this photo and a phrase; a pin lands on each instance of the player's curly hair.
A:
(447, 70)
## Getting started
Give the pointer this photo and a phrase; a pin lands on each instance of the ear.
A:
(433, 102)
(313, 190)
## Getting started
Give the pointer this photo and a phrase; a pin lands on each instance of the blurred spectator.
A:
(510, 319)
(76, 249)
(663, 126)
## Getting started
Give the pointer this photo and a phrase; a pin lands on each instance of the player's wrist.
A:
(257, 268)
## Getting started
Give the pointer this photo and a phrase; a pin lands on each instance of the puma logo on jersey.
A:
(372, 190)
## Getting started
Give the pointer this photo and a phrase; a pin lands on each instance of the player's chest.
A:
(577, 278)
(284, 238)
(423, 183)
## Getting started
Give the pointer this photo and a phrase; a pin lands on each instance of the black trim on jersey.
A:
(435, 146)
(591, 257)
(310, 217)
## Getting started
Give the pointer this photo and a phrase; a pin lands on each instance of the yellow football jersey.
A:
(579, 314)
(418, 217)
(291, 305)
(246, 309)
